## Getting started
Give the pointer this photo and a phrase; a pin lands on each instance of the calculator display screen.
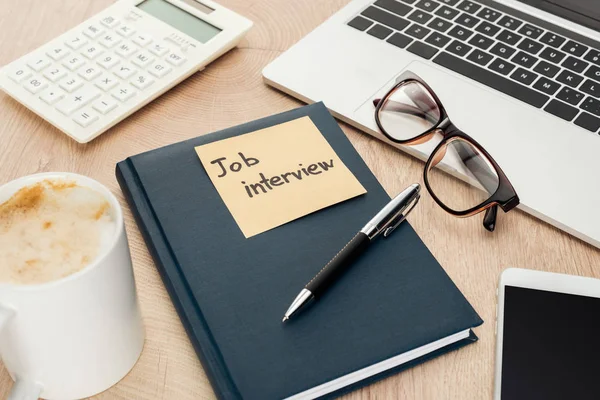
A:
(179, 19)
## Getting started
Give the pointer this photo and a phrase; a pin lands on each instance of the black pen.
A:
(384, 222)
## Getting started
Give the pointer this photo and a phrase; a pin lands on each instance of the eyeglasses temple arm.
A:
(489, 219)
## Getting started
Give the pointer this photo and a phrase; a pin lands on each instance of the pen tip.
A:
(284, 319)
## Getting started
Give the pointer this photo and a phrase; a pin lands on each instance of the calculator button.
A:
(55, 73)
(141, 81)
(35, 84)
(106, 82)
(19, 74)
(142, 59)
(123, 92)
(38, 64)
(92, 51)
(142, 39)
(105, 105)
(109, 22)
(85, 117)
(58, 52)
(158, 49)
(107, 61)
(124, 70)
(126, 49)
(71, 84)
(74, 62)
(76, 42)
(109, 40)
(125, 30)
(77, 100)
(175, 58)
(89, 72)
(159, 69)
(93, 31)
(52, 95)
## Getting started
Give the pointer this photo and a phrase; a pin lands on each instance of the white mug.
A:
(79, 335)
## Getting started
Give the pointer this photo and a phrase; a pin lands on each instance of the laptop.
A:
(521, 77)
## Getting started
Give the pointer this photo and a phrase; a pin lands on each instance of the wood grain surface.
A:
(229, 92)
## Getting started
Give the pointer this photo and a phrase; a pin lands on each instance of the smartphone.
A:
(548, 336)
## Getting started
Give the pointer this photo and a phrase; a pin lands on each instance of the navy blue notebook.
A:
(394, 308)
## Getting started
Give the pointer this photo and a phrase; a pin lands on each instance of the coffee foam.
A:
(52, 229)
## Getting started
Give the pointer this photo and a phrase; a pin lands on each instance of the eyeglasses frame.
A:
(505, 195)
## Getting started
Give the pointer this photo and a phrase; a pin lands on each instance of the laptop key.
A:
(591, 105)
(469, 7)
(427, 5)
(491, 79)
(399, 40)
(524, 76)
(546, 69)
(385, 18)
(394, 6)
(509, 37)
(480, 57)
(552, 55)
(467, 20)
(420, 16)
(458, 48)
(502, 50)
(417, 31)
(569, 78)
(530, 46)
(593, 72)
(509, 22)
(481, 41)
(450, 2)
(489, 14)
(360, 23)
(547, 86)
(574, 48)
(561, 110)
(380, 31)
(524, 59)
(591, 87)
(447, 12)
(460, 33)
(487, 29)
(423, 50)
(593, 56)
(570, 96)
(531, 31)
(552, 39)
(437, 39)
(408, 1)
(440, 25)
(588, 121)
(501, 66)
(575, 64)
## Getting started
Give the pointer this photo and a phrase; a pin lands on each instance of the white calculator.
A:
(98, 73)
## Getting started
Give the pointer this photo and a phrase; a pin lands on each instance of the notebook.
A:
(394, 308)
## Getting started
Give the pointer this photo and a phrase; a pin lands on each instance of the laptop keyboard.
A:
(520, 59)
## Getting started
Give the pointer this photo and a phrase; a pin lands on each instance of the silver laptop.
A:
(521, 77)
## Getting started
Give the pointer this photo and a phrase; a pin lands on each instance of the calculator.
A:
(98, 73)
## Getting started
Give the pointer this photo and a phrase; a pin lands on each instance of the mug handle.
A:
(22, 389)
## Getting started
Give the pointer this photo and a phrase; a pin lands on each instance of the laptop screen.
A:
(584, 12)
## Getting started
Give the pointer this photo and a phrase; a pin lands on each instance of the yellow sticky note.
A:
(276, 175)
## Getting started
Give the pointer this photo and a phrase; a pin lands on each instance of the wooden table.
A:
(231, 91)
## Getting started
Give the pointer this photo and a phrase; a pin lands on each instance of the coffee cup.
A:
(76, 336)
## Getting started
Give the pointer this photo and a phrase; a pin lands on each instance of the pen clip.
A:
(400, 217)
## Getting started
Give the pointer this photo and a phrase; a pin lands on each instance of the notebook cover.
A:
(231, 292)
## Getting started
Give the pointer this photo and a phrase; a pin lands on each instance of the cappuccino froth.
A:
(52, 229)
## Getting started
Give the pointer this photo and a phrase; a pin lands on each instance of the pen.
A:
(384, 222)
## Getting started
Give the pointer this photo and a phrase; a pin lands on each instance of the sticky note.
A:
(275, 175)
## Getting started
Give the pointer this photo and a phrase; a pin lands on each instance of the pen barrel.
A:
(338, 264)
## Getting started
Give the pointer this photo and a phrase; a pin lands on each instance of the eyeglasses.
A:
(411, 114)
